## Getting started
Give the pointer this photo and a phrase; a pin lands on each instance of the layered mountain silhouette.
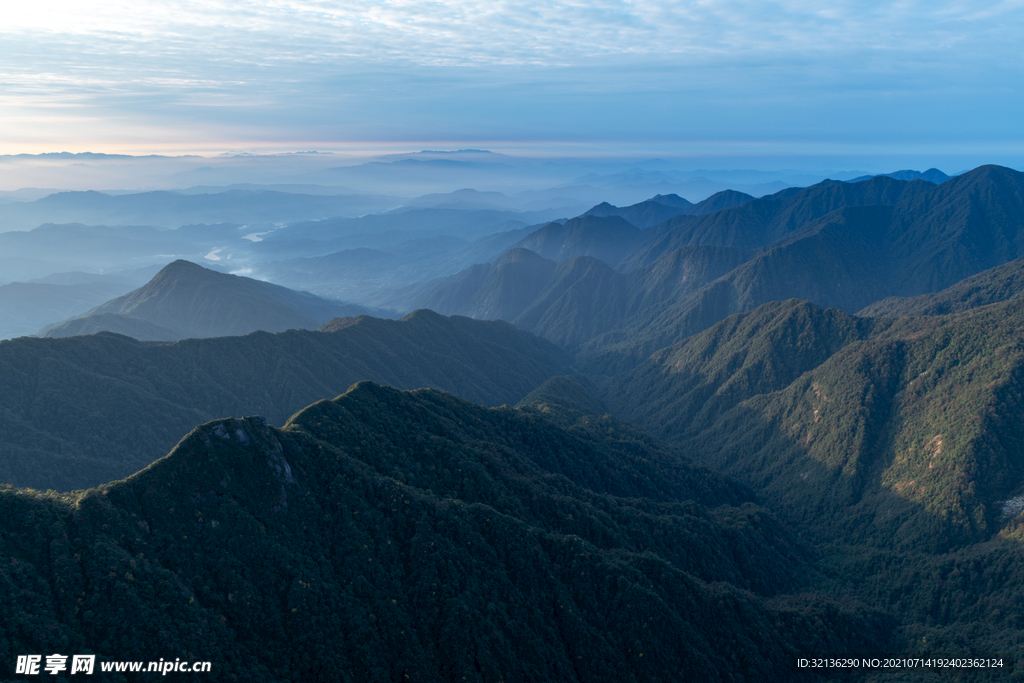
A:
(838, 244)
(186, 300)
(80, 411)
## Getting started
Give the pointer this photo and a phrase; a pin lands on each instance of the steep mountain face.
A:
(839, 261)
(607, 238)
(193, 301)
(84, 410)
(387, 534)
(960, 228)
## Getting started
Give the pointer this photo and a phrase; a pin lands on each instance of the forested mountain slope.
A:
(388, 534)
(840, 421)
(84, 410)
(893, 445)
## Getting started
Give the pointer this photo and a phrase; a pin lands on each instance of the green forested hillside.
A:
(386, 535)
(893, 445)
(823, 412)
(80, 411)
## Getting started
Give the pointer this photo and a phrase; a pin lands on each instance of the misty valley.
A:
(462, 417)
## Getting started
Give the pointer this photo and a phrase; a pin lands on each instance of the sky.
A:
(790, 82)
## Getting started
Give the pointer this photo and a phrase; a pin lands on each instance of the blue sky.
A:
(792, 81)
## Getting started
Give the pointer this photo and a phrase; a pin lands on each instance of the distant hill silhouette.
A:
(932, 175)
(83, 410)
(188, 300)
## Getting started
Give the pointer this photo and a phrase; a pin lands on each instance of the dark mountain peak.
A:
(182, 267)
(422, 319)
(726, 199)
(602, 209)
(990, 173)
(673, 200)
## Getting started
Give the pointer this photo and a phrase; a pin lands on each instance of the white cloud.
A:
(461, 32)
(377, 69)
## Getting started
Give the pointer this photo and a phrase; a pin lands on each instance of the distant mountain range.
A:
(932, 175)
(837, 244)
(186, 300)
